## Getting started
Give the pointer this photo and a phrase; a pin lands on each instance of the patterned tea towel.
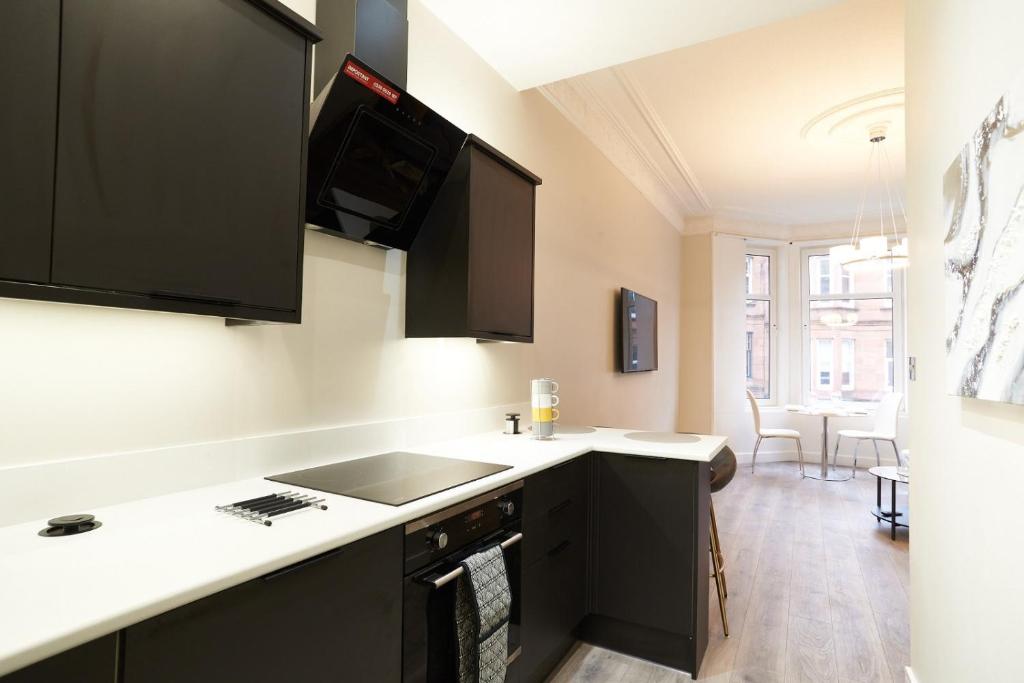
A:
(482, 603)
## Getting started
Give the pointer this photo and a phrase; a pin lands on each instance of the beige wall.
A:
(77, 381)
(968, 456)
(729, 263)
(696, 336)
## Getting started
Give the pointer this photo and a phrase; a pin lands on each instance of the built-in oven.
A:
(434, 547)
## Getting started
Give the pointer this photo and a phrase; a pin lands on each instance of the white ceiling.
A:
(533, 42)
(773, 122)
(767, 124)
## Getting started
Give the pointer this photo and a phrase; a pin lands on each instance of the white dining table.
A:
(825, 412)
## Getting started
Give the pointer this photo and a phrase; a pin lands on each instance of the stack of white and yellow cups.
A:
(543, 399)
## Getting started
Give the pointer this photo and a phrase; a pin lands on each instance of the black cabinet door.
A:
(180, 166)
(644, 568)
(554, 593)
(93, 662)
(29, 49)
(501, 209)
(336, 617)
(555, 578)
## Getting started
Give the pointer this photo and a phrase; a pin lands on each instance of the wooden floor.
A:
(817, 590)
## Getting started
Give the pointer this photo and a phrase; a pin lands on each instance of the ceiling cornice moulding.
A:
(588, 111)
(697, 201)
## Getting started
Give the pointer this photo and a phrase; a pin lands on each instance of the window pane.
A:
(758, 280)
(822, 373)
(861, 332)
(848, 364)
(758, 347)
(826, 278)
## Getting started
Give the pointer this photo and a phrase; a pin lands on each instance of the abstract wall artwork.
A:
(983, 194)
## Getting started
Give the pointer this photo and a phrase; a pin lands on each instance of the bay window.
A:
(853, 323)
(760, 328)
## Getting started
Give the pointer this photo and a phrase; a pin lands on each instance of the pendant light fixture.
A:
(887, 249)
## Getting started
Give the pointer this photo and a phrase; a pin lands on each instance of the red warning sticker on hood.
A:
(378, 86)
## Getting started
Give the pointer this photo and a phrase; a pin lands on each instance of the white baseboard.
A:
(909, 673)
(863, 461)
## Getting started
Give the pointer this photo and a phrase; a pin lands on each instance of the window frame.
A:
(897, 295)
(772, 297)
(750, 355)
(890, 364)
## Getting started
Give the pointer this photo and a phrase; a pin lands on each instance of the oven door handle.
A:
(438, 580)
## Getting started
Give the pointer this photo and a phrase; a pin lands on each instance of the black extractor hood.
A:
(377, 155)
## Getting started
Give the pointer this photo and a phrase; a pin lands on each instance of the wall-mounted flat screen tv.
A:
(639, 337)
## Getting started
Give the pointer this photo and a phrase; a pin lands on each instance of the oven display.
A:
(474, 520)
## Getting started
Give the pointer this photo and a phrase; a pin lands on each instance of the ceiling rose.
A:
(847, 121)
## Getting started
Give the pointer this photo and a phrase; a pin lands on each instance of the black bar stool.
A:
(723, 469)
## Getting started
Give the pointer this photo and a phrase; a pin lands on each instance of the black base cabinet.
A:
(555, 514)
(334, 617)
(615, 553)
(650, 559)
(93, 662)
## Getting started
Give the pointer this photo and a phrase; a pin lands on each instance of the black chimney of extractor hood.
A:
(375, 31)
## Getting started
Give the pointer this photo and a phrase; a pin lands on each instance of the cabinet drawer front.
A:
(555, 508)
(566, 521)
(548, 489)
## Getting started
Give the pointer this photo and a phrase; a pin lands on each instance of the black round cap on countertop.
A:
(69, 525)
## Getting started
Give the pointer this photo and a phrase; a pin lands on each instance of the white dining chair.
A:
(763, 434)
(886, 421)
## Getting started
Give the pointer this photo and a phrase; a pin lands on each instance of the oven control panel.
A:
(446, 531)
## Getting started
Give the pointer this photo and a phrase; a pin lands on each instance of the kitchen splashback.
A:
(47, 490)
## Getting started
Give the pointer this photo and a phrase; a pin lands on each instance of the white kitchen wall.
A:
(79, 382)
(968, 464)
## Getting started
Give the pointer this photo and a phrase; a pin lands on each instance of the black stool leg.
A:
(878, 496)
(718, 546)
(716, 564)
(892, 511)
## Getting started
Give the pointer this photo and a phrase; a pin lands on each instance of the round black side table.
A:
(894, 516)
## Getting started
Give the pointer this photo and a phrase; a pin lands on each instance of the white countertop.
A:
(156, 554)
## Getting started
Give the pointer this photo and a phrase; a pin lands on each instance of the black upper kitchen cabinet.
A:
(180, 157)
(555, 577)
(470, 270)
(29, 49)
(179, 176)
(334, 617)
(93, 662)
(654, 607)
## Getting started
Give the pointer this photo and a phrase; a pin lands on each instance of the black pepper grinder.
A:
(511, 423)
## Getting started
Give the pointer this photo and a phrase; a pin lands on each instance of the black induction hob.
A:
(391, 478)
